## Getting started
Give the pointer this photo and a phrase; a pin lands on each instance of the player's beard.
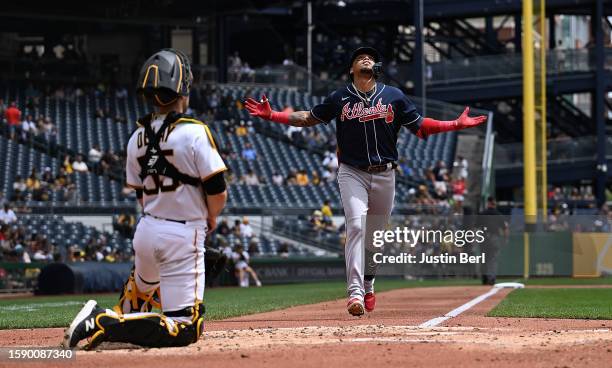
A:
(366, 72)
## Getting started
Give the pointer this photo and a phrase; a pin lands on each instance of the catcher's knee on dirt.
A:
(153, 329)
(133, 300)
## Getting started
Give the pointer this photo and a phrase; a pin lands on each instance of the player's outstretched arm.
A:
(431, 126)
(263, 110)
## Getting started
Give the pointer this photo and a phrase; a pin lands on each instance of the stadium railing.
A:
(561, 150)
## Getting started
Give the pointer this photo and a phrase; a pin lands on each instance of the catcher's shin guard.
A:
(152, 329)
(131, 300)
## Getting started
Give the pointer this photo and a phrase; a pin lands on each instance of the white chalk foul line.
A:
(457, 311)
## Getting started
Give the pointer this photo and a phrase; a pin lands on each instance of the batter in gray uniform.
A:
(369, 116)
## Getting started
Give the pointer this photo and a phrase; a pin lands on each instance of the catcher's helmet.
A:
(165, 76)
(377, 68)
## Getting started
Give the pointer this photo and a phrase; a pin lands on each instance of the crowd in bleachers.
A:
(92, 123)
(46, 238)
(571, 193)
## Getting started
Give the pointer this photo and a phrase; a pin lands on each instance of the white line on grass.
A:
(457, 311)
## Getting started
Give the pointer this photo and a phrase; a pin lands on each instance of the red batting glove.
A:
(263, 110)
(432, 126)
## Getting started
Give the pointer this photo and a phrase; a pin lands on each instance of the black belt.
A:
(378, 168)
(165, 219)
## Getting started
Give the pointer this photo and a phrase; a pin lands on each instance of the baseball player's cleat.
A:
(355, 307)
(369, 300)
(84, 326)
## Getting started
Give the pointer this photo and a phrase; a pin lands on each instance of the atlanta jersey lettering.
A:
(367, 128)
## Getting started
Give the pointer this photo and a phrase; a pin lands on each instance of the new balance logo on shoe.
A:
(90, 324)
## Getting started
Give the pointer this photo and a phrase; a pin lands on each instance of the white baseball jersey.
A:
(189, 146)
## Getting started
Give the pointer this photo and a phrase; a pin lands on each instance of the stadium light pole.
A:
(529, 154)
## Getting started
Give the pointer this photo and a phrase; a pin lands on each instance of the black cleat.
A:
(84, 326)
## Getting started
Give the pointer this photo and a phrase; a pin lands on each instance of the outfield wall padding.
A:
(82, 277)
(550, 254)
(592, 253)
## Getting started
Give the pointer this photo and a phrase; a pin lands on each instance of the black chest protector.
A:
(154, 162)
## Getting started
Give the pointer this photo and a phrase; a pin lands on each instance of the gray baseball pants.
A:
(363, 194)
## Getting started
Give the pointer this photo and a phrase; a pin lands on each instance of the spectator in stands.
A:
(250, 128)
(253, 246)
(423, 197)
(461, 165)
(301, 178)
(326, 210)
(283, 250)
(60, 178)
(19, 189)
(41, 250)
(314, 139)
(7, 216)
(125, 224)
(28, 128)
(459, 193)
(68, 164)
(330, 160)
(79, 165)
(22, 254)
(236, 228)
(47, 177)
(404, 168)
(2, 107)
(241, 130)
(247, 74)
(13, 118)
(109, 162)
(69, 190)
(316, 220)
(121, 93)
(94, 157)
(235, 66)
(328, 175)
(121, 119)
(441, 187)
(316, 180)
(32, 182)
(243, 270)
(557, 220)
(250, 178)
(439, 171)
(277, 179)
(245, 228)
(230, 178)
(248, 153)
(49, 130)
(223, 228)
(99, 114)
(295, 133)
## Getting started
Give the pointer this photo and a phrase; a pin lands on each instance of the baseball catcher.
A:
(177, 172)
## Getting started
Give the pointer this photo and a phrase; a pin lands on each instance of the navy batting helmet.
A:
(377, 68)
(165, 76)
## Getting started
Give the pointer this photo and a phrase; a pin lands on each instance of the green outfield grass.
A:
(58, 311)
(588, 303)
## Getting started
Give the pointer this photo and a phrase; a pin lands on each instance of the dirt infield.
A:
(324, 334)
